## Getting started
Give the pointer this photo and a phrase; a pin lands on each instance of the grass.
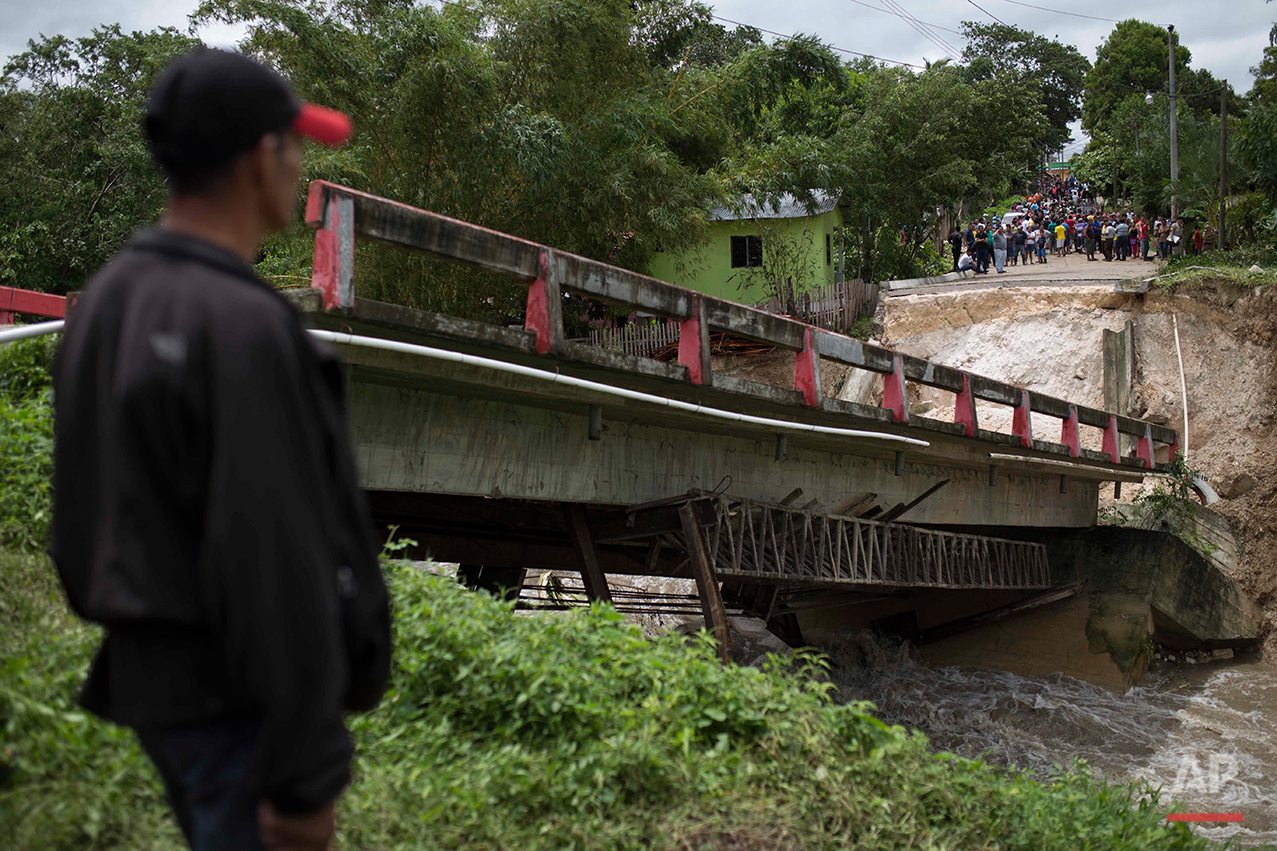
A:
(1189, 277)
(1212, 267)
(510, 732)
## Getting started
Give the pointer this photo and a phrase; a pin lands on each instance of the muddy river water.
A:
(1206, 734)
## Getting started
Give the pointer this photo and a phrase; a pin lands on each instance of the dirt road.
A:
(1071, 270)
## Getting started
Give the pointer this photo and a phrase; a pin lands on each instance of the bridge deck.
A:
(341, 215)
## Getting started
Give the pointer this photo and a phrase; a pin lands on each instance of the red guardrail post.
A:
(332, 214)
(545, 306)
(1144, 447)
(1022, 421)
(693, 344)
(1069, 433)
(1111, 442)
(964, 408)
(894, 396)
(807, 370)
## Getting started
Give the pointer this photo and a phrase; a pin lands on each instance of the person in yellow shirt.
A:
(1060, 242)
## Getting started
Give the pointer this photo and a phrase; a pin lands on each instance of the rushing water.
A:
(1207, 734)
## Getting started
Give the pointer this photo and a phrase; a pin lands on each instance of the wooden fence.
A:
(834, 307)
(637, 338)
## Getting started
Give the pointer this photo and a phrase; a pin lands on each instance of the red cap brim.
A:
(326, 126)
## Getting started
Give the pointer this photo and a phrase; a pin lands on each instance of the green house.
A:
(754, 251)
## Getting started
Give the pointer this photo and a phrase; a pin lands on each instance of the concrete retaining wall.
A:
(1194, 601)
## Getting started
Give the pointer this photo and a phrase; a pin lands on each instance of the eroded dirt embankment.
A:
(1051, 340)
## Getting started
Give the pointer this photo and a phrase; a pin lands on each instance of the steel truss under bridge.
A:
(774, 543)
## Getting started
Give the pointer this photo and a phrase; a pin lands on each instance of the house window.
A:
(829, 249)
(747, 251)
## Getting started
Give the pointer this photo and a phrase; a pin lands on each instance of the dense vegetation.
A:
(612, 128)
(551, 733)
(605, 128)
(1127, 115)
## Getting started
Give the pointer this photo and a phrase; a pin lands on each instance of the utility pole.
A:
(1223, 161)
(1174, 129)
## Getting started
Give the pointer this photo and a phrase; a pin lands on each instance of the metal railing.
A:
(340, 215)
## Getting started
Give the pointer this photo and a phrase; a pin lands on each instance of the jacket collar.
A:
(192, 248)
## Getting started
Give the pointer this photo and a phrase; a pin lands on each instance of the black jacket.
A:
(207, 512)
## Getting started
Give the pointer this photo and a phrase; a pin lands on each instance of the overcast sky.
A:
(1226, 36)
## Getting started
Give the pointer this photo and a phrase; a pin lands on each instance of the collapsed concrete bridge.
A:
(514, 448)
(509, 448)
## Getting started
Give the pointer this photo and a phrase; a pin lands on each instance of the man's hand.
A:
(281, 832)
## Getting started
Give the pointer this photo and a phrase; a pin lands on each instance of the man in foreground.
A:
(206, 504)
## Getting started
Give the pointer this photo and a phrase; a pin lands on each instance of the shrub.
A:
(24, 367)
(26, 443)
(504, 731)
(72, 782)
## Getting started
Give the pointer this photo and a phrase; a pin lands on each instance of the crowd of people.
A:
(1062, 221)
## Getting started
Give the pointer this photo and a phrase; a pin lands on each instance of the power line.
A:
(831, 46)
(897, 5)
(925, 34)
(889, 12)
(1061, 11)
(925, 31)
(990, 14)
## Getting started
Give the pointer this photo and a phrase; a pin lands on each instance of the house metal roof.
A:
(785, 206)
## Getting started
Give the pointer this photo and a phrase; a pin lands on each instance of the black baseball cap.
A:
(210, 106)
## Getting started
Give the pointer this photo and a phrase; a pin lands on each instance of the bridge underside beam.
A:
(709, 538)
(496, 442)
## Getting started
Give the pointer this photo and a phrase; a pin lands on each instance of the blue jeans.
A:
(206, 769)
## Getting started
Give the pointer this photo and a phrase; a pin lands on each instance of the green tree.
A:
(1057, 72)
(714, 44)
(1199, 88)
(1133, 59)
(1197, 192)
(1264, 90)
(1257, 147)
(553, 120)
(78, 178)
